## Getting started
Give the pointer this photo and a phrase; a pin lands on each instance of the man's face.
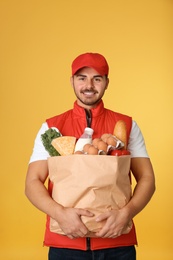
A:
(89, 87)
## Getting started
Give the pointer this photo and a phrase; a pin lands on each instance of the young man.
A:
(90, 81)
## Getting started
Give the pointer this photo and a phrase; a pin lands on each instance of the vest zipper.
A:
(88, 242)
(88, 117)
(89, 120)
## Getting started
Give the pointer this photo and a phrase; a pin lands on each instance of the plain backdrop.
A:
(39, 40)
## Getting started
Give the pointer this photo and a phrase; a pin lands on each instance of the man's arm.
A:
(143, 172)
(117, 220)
(68, 218)
(35, 189)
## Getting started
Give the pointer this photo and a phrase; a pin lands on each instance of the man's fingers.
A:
(85, 212)
(80, 233)
(102, 217)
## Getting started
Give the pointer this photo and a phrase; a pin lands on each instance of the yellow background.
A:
(39, 39)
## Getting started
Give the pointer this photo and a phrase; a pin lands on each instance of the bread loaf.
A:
(120, 131)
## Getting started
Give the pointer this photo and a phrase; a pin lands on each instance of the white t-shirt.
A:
(136, 144)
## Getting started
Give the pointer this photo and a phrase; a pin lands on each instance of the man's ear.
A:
(71, 81)
(107, 83)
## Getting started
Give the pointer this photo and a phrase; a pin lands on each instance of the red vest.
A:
(72, 123)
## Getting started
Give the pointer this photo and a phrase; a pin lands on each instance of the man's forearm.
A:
(145, 187)
(39, 196)
(36, 191)
(141, 196)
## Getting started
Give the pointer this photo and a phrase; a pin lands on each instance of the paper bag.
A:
(98, 183)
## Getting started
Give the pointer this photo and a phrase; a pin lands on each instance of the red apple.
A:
(125, 152)
(116, 152)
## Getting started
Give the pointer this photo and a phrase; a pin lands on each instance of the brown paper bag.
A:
(95, 182)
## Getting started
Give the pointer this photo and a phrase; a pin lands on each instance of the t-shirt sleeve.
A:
(39, 151)
(136, 144)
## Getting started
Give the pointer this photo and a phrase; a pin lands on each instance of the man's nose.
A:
(90, 83)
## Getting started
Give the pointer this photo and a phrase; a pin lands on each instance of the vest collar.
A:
(80, 111)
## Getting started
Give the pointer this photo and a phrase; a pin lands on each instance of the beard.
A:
(87, 100)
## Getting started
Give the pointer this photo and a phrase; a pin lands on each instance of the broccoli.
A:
(47, 138)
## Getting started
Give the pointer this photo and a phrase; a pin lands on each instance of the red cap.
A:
(91, 60)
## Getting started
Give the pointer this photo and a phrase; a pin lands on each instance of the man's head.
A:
(91, 60)
(89, 79)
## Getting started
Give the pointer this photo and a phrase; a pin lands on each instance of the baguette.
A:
(120, 131)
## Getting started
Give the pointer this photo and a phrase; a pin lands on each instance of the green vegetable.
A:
(47, 138)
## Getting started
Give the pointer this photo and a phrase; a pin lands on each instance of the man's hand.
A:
(69, 219)
(116, 223)
(117, 220)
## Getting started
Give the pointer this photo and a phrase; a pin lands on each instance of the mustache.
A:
(91, 90)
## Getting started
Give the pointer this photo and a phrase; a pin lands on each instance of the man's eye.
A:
(81, 78)
(98, 79)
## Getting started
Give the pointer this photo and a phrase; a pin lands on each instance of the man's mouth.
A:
(89, 93)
